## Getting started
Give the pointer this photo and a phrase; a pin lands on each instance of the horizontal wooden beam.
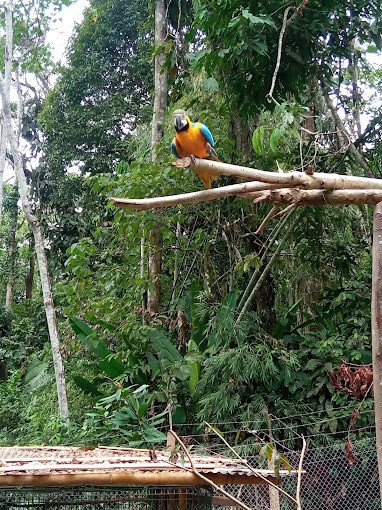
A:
(159, 478)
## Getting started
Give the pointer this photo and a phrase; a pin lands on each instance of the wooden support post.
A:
(376, 329)
(183, 498)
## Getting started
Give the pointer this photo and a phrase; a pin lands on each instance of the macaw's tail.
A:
(206, 177)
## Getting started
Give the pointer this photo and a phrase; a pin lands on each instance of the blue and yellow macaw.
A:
(194, 139)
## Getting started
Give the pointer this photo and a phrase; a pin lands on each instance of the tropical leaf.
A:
(88, 387)
(164, 347)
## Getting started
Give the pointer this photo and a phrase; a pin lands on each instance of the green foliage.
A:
(102, 93)
(126, 417)
(242, 43)
(126, 375)
(280, 134)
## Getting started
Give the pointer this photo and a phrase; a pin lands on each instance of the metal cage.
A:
(106, 498)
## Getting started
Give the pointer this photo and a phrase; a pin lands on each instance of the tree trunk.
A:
(30, 276)
(155, 269)
(353, 69)
(376, 331)
(11, 258)
(3, 150)
(176, 261)
(160, 78)
(7, 80)
(241, 132)
(35, 226)
(3, 370)
(157, 132)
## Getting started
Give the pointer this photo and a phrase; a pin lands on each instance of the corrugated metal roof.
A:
(70, 460)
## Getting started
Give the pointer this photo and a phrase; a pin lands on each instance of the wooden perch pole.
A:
(266, 181)
(297, 197)
(294, 179)
(376, 331)
(189, 198)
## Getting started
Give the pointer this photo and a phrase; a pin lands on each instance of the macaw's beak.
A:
(178, 122)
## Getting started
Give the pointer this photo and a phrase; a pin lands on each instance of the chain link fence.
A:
(329, 482)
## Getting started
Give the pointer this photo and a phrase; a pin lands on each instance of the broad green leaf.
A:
(285, 461)
(179, 415)
(164, 347)
(154, 365)
(274, 139)
(86, 386)
(194, 375)
(141, 389)
(112, 366)
(35, 369)
(211, 85)
(257, 140)
(313, 363)
(154, 436)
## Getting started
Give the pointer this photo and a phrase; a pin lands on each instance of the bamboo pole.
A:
(376, 331)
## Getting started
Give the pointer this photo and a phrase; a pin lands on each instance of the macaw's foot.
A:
(193, 159)
(182, 162)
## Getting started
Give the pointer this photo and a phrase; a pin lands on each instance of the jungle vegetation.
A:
(86, 136)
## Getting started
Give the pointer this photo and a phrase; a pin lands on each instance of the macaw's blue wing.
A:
(207, 134)
(174, 150)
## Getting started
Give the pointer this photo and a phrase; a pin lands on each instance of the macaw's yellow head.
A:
(181, 121)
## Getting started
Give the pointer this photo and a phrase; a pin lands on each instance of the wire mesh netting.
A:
(329, 482)
(106, 498)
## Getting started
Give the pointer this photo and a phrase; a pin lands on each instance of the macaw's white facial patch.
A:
(180, 121)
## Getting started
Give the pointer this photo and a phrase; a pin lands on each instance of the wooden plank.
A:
(376, 331)
(127, 478)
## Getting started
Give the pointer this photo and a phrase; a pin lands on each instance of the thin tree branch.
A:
(269, 96)
(286, 23)
(263, 257)
(300, 464)
(284, 211)
(246, 463)
(210, 482)
(267, 219)
(268, 268)
(352, 148)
